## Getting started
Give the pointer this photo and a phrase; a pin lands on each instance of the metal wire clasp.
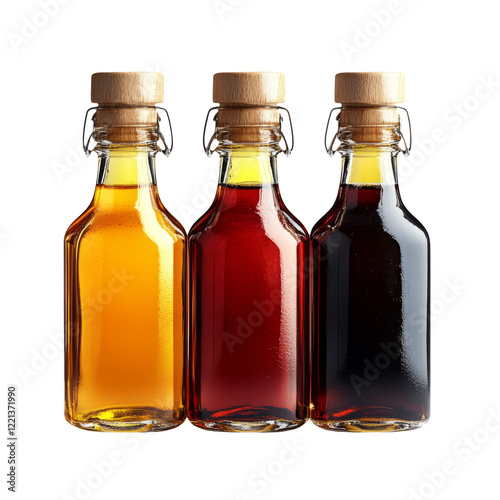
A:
(331, 151)
(207, 147)
(329, 148)
(407, 148)
(288, 150)
(166, 150)
(86, 142)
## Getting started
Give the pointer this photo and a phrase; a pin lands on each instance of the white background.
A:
(447, 49)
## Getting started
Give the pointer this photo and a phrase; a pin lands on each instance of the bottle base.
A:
(277, 425)
(369, 425)
(128, 420)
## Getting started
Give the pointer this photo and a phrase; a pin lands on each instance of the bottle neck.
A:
(126, 177)
(371, 165)
(369, 175)
(369, 145)
(248, 166)
(248, 182)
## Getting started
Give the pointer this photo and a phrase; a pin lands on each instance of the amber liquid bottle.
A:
(370, 284)
(124, 275)
(248, 283)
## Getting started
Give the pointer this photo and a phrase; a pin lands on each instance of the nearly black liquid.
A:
(370, 326)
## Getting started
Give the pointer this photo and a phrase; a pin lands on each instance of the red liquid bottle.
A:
(370, 284)
(248, 287)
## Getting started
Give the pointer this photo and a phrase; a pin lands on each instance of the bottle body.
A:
(249, 304)
(370, 296)
(125, 263)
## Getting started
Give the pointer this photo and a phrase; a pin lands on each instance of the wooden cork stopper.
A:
(364, 97)
(126, 101)
(246, 102)
(369, 89)
(249, 88)
(133, 88)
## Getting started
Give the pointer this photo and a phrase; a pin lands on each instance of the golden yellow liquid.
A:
(125, 273)
(370, 166)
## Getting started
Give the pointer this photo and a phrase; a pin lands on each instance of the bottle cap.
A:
(133, 88)
(369, 104)
(370, 89)
(250, 88)
(126, 98)
(248, 103)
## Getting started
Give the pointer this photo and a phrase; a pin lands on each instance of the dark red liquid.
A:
(249, 310)
(370, 324)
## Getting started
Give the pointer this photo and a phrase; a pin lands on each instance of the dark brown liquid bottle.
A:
(248, 286)
(370, 284)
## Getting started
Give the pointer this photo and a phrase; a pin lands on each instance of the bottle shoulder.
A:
(294, 222)
(329, 222)
(80, 224)
(151, 223)
(172, 222)
(275, 223)
(414, 222)
(204, 222)
(395, 223)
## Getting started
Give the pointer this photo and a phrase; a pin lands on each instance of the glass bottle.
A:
(248, 282)
(125, 274)
(370, 283)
